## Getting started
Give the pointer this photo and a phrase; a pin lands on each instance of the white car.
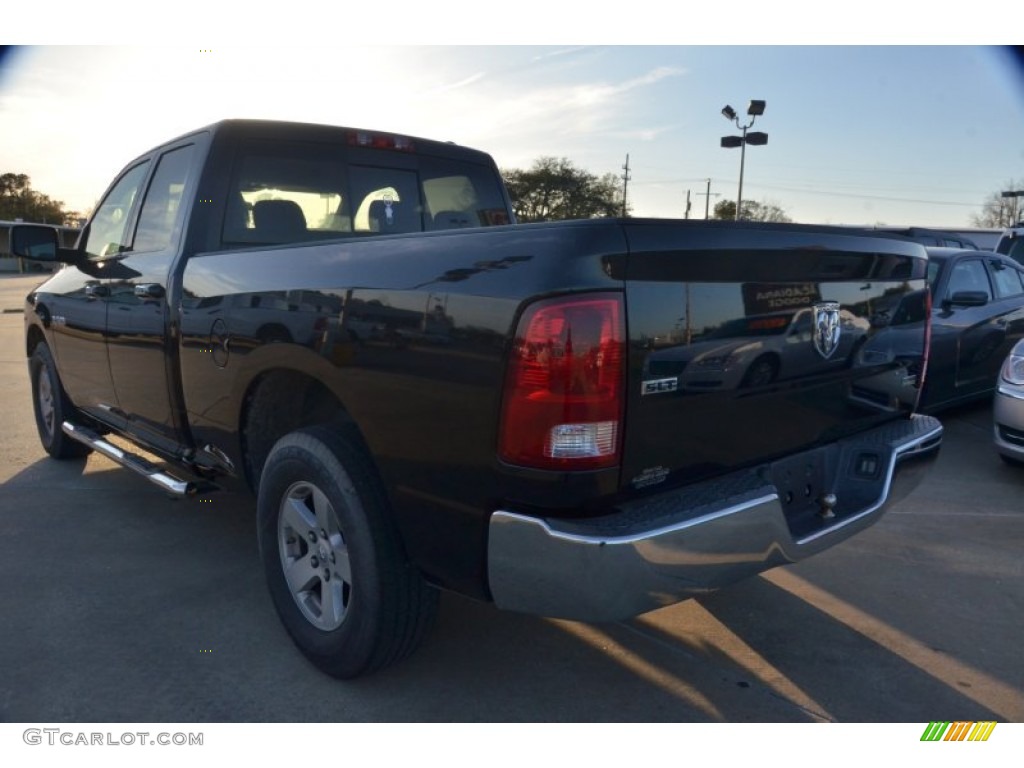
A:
(1008, 409)
(756, 350)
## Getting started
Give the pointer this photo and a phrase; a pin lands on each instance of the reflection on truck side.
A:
(755, 351)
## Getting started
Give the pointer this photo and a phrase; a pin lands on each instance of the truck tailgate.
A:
(750, 342)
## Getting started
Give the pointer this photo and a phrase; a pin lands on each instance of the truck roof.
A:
(284, 129)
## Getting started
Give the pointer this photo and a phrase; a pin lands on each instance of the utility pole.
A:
(625, 184)
(707, 197)
(687, 204)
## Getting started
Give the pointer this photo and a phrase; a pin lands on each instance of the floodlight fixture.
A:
(1015, 195)
(756, 138)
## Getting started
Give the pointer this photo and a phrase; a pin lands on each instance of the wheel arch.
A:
(279, 401)
(34, 336)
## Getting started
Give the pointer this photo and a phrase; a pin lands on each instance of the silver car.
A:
(1008, 410)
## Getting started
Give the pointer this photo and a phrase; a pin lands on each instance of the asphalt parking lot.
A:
(120, 605)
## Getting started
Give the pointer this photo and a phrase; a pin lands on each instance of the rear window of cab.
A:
(296, 192)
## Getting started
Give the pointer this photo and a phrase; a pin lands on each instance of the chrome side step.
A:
(149, 470)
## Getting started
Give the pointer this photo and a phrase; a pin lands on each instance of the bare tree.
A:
(999, 211)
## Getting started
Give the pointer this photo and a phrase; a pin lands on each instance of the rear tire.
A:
(52, 406)
(335, 566)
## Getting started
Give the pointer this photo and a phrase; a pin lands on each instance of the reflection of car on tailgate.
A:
(756, 350)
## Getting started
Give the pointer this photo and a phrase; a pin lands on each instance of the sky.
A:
(857, 134)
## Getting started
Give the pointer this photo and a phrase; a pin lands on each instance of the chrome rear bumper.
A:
(665, 548)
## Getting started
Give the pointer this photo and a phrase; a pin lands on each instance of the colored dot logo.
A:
(958, 731)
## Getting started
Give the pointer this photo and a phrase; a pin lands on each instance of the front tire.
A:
(333, 557)
(761, 372)
(52, 406)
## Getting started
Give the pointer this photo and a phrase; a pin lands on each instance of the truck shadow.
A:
(755, 653)
(134, 608)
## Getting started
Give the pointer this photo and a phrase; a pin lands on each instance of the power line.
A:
(859, 195)
(819, 191)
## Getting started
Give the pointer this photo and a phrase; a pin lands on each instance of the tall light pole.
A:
(754, 110)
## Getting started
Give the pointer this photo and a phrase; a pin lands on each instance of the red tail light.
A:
(563, 395)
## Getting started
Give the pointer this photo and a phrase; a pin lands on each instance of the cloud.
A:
(600, 93)
(463, 83)
(559, 53)
(519, 113)
(644, 134)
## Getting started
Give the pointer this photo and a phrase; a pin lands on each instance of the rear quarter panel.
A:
(409, 333)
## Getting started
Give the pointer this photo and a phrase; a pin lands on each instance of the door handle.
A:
(149, 291)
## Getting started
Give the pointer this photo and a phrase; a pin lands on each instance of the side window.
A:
(1007, 280)
(109, 226)
(802, 326)
(160, 219)
(911, 309)
(969, 276)
(1016, 249)
(458, 194)
(281, 194)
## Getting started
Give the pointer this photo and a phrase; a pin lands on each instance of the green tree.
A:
(554, 188)
(752, 211)
(999, 211)
(19, 201)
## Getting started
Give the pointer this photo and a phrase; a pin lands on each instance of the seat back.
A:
(279, 221)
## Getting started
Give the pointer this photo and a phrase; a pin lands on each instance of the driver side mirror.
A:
(39, 242)
(966, 299)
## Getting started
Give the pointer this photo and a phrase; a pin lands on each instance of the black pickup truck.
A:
(586, 419)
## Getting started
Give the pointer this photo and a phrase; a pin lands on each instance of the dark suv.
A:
(940, 237)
